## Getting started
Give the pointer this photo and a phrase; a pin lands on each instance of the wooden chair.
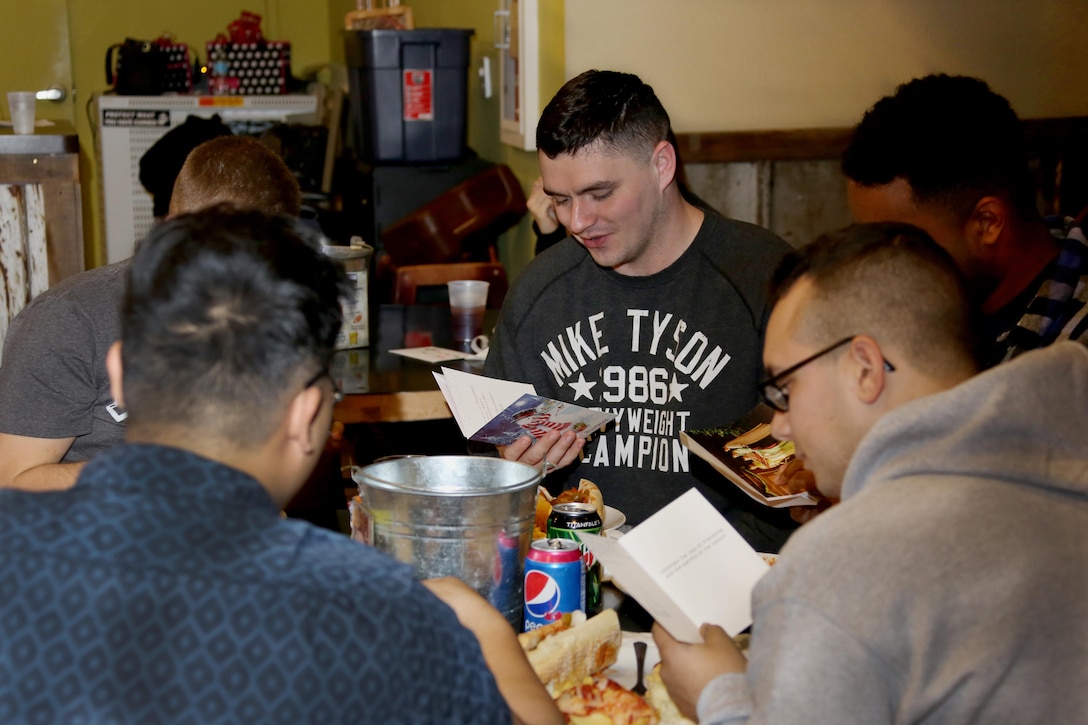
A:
(462, 224)
(410, 278)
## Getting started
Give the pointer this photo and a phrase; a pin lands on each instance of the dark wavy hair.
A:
(951, 138)
(226, 312)
(617, 109)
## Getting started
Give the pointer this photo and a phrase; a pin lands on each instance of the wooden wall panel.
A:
(790, 181)
(41, 227)
(58, 177)
(24, 270)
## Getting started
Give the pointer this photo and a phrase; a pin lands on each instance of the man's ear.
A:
(664, 163)
(867, 368)
(302, 412)
(987, 223)
(114, 369)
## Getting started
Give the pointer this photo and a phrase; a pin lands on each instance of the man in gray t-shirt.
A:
(56, 409)
(652, 310)
(54, 392)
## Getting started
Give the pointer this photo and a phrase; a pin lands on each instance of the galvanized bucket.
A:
(465, 516)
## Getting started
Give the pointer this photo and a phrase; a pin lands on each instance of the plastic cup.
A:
(468, 298)
(21, 107)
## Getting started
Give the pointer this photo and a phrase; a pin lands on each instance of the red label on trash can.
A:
(418, 95)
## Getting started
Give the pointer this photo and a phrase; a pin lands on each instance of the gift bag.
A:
(243, 63)
(248, 69)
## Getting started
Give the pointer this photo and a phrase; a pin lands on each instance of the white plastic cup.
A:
(468, 299)
(21, 107)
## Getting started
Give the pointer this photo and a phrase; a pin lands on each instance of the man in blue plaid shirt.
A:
(947, 154)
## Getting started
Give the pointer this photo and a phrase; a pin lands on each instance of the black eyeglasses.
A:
(776, 396)
(337, 394)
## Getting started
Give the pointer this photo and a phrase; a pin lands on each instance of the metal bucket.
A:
(465, 516)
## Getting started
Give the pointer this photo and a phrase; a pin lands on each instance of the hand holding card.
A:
(496, 411)
(685, 565)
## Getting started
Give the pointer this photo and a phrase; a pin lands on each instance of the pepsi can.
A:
(555, 581)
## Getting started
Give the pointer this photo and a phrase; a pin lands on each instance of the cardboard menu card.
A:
(497, 411)
(748, 455)
(685, 565)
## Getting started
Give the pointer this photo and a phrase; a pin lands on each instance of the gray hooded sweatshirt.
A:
(951, 583)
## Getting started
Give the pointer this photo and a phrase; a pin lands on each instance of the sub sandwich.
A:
(568, 650)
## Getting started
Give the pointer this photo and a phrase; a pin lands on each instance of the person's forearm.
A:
(519, 685)
(46, 477)
(34, 464)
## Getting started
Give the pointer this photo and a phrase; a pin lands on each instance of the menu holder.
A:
(490, 410)
(686, 565)
(748, 455)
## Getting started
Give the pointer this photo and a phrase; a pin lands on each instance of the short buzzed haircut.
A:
(616, 109)
(952, 139)
(226, 314)
(238, 170)
(889, 281)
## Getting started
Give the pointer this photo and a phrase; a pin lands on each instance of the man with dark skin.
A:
(948, 155)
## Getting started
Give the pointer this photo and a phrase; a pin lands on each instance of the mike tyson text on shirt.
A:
(646, 398)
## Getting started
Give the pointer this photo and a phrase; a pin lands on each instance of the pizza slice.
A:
(601, 701)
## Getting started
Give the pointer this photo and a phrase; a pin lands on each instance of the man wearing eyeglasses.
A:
(948, 586)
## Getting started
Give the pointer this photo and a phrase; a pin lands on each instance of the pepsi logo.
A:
(541, 594)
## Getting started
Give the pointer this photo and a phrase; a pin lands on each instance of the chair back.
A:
(410, 278)
(461, 224)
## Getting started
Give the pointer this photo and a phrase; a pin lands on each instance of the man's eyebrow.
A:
(595, 186)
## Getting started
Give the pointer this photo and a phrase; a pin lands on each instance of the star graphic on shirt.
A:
(675, 388)
(582, 387)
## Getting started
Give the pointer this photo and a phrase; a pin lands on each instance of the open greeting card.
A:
(685, 565)
(496, 411)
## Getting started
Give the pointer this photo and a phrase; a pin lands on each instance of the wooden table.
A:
(381, 387)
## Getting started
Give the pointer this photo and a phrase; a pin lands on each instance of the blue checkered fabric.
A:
(1059, 310)
(165, 587)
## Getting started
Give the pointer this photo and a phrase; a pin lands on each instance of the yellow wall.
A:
(94, 25)
(717, 64)
(740, 65)
(314, 28)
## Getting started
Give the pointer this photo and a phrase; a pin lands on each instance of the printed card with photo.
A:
(496, 411)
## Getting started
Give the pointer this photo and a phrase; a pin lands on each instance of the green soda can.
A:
(566, 521)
